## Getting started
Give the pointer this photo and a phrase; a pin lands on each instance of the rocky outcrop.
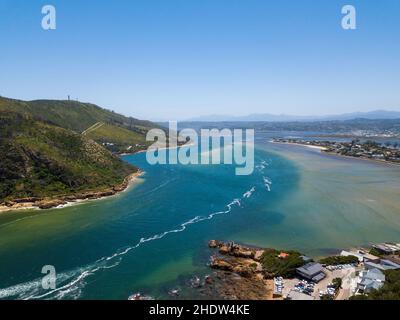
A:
(50, 204)
(213, 244)
(25, 200)
(230, 248)
(236, 258)
(238, 273)
(221, 264)
(244, 271)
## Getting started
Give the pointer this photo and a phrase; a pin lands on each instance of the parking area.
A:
(315, 290)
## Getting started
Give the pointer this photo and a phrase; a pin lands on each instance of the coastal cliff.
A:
(44, 166)
(48, 203)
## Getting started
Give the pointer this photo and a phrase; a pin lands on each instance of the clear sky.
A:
(176, 59)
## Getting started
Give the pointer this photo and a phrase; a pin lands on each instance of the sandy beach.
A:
(339, 155)
(301, 145)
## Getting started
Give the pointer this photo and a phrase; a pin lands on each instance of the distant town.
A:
(388, 152)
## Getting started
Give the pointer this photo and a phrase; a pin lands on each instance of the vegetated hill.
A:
(80, 117)
(117, 139)
(41, 160)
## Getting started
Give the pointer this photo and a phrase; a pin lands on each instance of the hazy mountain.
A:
(378, 114)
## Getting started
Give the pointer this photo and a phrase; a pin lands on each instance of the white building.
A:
(368, 280)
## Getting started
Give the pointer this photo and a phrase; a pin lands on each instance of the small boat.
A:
(174, 292)
(139, 296)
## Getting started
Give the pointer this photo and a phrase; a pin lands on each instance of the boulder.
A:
(213, 244)
(47, 204)
(244, 271)
(208, 280)
(224, 249)
(258, 254)
(25, 200)
(243, 253)
(221, 265)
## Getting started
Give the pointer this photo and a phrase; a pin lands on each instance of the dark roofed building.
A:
(312, 271)
(383, 265)
(387, 248)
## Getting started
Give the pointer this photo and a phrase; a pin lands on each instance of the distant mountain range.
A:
(377, 114)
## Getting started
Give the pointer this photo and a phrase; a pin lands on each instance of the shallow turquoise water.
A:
(154, 236)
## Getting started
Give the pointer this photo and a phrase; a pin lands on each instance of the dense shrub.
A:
(336, 260)
(284, 267)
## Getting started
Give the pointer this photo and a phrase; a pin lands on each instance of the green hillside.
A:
(38, 159)
(116, 139)
(117, 133)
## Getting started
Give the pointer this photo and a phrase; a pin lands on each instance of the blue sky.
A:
(175, 59)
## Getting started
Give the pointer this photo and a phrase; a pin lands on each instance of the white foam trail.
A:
(267, 183)
(30, 290)
(267, 180)
(260, 167)
(160, 186)
(33, 287)
(249, 193)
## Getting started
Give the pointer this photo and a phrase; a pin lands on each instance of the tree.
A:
(337, 283)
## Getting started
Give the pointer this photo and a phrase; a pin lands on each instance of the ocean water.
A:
(153, 237)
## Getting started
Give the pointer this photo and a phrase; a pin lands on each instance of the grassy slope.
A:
(76, 116)
(121, 138)
(38, 159)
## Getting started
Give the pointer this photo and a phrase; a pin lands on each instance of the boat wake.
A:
(73, 282)
(261, 169)
(263, 164)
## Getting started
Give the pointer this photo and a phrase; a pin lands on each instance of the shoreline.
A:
(384, 162)
(69, 200)
(301, 145)
(163, 148)
(59, 202)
